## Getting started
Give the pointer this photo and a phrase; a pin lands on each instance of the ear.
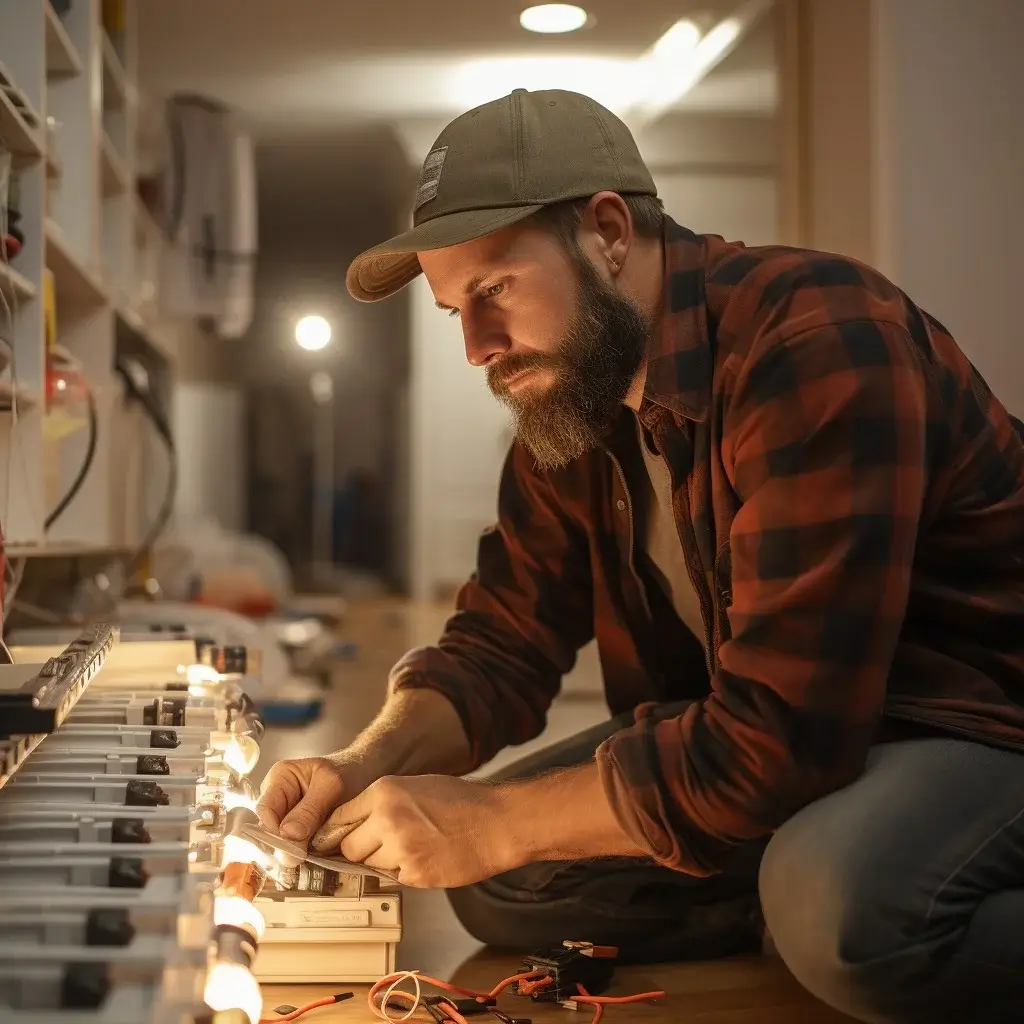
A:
(606, 231)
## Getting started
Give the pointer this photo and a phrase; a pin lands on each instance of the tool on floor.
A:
(506, 1019)
(468, 1007)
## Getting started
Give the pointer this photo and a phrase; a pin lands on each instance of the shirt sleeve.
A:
(825, 442)
(519, 621)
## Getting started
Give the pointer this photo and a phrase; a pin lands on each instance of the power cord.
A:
(83, 471)
(137, 386)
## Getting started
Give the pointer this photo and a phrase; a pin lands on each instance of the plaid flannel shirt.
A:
(850, 498)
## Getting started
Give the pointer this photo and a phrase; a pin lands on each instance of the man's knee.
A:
(479, 914)
(837, 921)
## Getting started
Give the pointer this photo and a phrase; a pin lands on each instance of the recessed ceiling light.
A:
(553, 18)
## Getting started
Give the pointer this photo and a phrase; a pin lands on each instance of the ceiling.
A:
(329, 84)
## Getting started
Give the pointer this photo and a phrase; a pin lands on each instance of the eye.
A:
(493, 290)
(453, 312)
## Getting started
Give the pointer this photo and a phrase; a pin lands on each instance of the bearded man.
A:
(792, 514)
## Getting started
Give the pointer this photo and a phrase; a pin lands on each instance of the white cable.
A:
(417, 996)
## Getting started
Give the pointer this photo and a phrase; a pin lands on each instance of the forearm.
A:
(417, 732)
(569, 816)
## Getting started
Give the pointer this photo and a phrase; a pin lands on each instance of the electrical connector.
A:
(561, 970)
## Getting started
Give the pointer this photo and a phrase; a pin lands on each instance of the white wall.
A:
(209, 426)
(459, 437)
(715, 175)
(950, 132)
(742, 207)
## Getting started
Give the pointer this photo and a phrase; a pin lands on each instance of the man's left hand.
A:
(430, 831)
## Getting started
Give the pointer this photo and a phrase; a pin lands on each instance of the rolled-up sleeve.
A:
(825, 443)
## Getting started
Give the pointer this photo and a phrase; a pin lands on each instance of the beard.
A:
(593, 367)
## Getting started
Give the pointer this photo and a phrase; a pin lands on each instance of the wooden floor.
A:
(755, 990)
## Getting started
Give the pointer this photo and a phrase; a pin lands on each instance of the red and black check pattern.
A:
(850, 497)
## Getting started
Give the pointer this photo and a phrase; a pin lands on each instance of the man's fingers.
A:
(333, 831)
(282, 789)
(343, 820)
(360, 843)
(322, 796)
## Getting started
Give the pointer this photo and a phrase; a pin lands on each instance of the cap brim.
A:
(390, 266)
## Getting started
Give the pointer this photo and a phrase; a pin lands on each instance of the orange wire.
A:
(527, 988)
(600, 1002)
(299, 1011)
(444, 986)
(533, 984)
(453, 1015)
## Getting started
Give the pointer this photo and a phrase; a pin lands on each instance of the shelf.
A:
(115, 83)
(63, 549)
(15, 133)
(73, 282)
(26, 398)
(15, 285)
(144, 332)
(146, 224)
(114, 177)
(62, 60)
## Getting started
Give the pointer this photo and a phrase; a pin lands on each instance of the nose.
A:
(483, 342)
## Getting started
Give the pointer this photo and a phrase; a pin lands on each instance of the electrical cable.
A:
(299, 1011)
(10, 310)
(163, 429)
(83, 470)
(528, 983)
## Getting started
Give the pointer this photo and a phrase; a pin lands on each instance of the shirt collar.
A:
(679, 363)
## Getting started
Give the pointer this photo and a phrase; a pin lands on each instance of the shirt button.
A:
(620, 505)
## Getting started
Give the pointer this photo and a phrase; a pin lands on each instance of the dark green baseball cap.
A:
(498, 164)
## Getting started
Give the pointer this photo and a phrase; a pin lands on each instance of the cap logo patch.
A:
(430, 176)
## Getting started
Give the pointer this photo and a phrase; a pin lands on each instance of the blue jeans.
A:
(897, 900)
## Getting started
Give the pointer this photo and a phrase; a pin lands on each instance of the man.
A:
(792, 514)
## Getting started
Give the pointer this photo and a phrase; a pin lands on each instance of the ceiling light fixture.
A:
(640, 90)
(553, 19)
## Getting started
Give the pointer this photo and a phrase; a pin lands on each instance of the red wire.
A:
(532, 984)
(600, 1002)
(298, 1011)
(444, 986)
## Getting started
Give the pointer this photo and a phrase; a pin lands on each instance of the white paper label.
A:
(330, 917)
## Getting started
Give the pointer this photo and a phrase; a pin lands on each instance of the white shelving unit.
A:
(68, 115)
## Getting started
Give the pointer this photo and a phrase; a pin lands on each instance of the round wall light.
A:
(313, 333)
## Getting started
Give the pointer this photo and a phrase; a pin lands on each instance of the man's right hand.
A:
(417, 732)
(297, 797)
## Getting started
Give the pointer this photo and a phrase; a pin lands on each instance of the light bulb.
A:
(201, 674)
(241, 754)
(232, 987)
(239, 913)
(236, 850)
(240, 793)
(233, 799)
